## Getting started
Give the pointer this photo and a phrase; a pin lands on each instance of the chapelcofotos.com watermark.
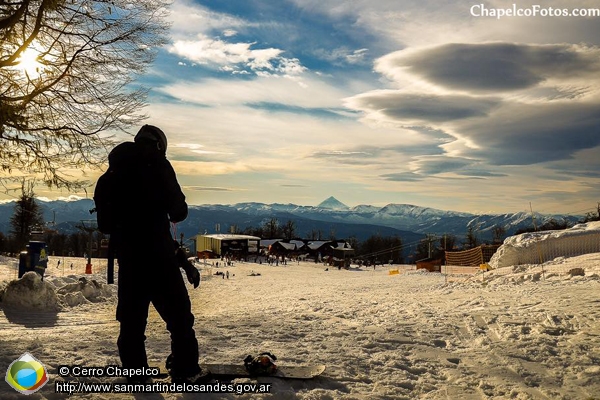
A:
(483, 11)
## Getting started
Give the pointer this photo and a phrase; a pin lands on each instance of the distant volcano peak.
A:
(333, 204)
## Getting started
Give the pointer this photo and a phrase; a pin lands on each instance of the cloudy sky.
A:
(390, 101)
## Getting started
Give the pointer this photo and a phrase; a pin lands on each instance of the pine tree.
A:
(471, 240)
(27, 215)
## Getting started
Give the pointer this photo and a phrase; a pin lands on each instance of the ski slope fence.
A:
(533, 253)
(531, 248)
(472, 257)
(453, 273)
(541, 247)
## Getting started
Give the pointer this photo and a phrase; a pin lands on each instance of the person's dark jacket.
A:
(151, 199)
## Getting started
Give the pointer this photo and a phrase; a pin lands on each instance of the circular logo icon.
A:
(26, 374)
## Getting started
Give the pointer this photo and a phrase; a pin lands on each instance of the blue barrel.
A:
(38, 257)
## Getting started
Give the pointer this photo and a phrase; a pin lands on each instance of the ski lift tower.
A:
(90, 226)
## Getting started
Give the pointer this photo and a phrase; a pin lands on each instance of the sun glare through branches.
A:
(29, 64)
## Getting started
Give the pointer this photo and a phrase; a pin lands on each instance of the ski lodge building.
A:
(221, 244)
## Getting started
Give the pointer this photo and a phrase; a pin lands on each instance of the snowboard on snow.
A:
(254, 367)
(230, 371)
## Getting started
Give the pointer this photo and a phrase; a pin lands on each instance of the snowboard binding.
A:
(262, 364)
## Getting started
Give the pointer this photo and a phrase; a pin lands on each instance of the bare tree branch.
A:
(59, 118)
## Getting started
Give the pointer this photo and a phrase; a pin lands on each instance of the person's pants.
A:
(140, 284)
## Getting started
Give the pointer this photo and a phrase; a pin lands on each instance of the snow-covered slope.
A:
(509, 333)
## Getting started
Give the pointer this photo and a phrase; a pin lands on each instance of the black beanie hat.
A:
(154, 134)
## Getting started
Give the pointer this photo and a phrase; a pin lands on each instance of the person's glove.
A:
(193, 275)
(191, 272)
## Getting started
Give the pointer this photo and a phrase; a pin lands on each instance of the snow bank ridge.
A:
(539, 247)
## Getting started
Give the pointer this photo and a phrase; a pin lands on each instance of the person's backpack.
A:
(111, 189)
(104, 200)
(106, 195)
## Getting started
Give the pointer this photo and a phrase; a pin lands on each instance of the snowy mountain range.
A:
(330, 218)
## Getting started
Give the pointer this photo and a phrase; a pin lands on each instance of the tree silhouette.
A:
(27, 215)
(471, 240)
(271, 228)
(498, 233)
(289, 230)
(66, 73)
(380, 249)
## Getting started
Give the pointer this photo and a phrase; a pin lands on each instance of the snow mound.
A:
(539, 247)
(85, 291)
(32, 293)
(54, 293)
